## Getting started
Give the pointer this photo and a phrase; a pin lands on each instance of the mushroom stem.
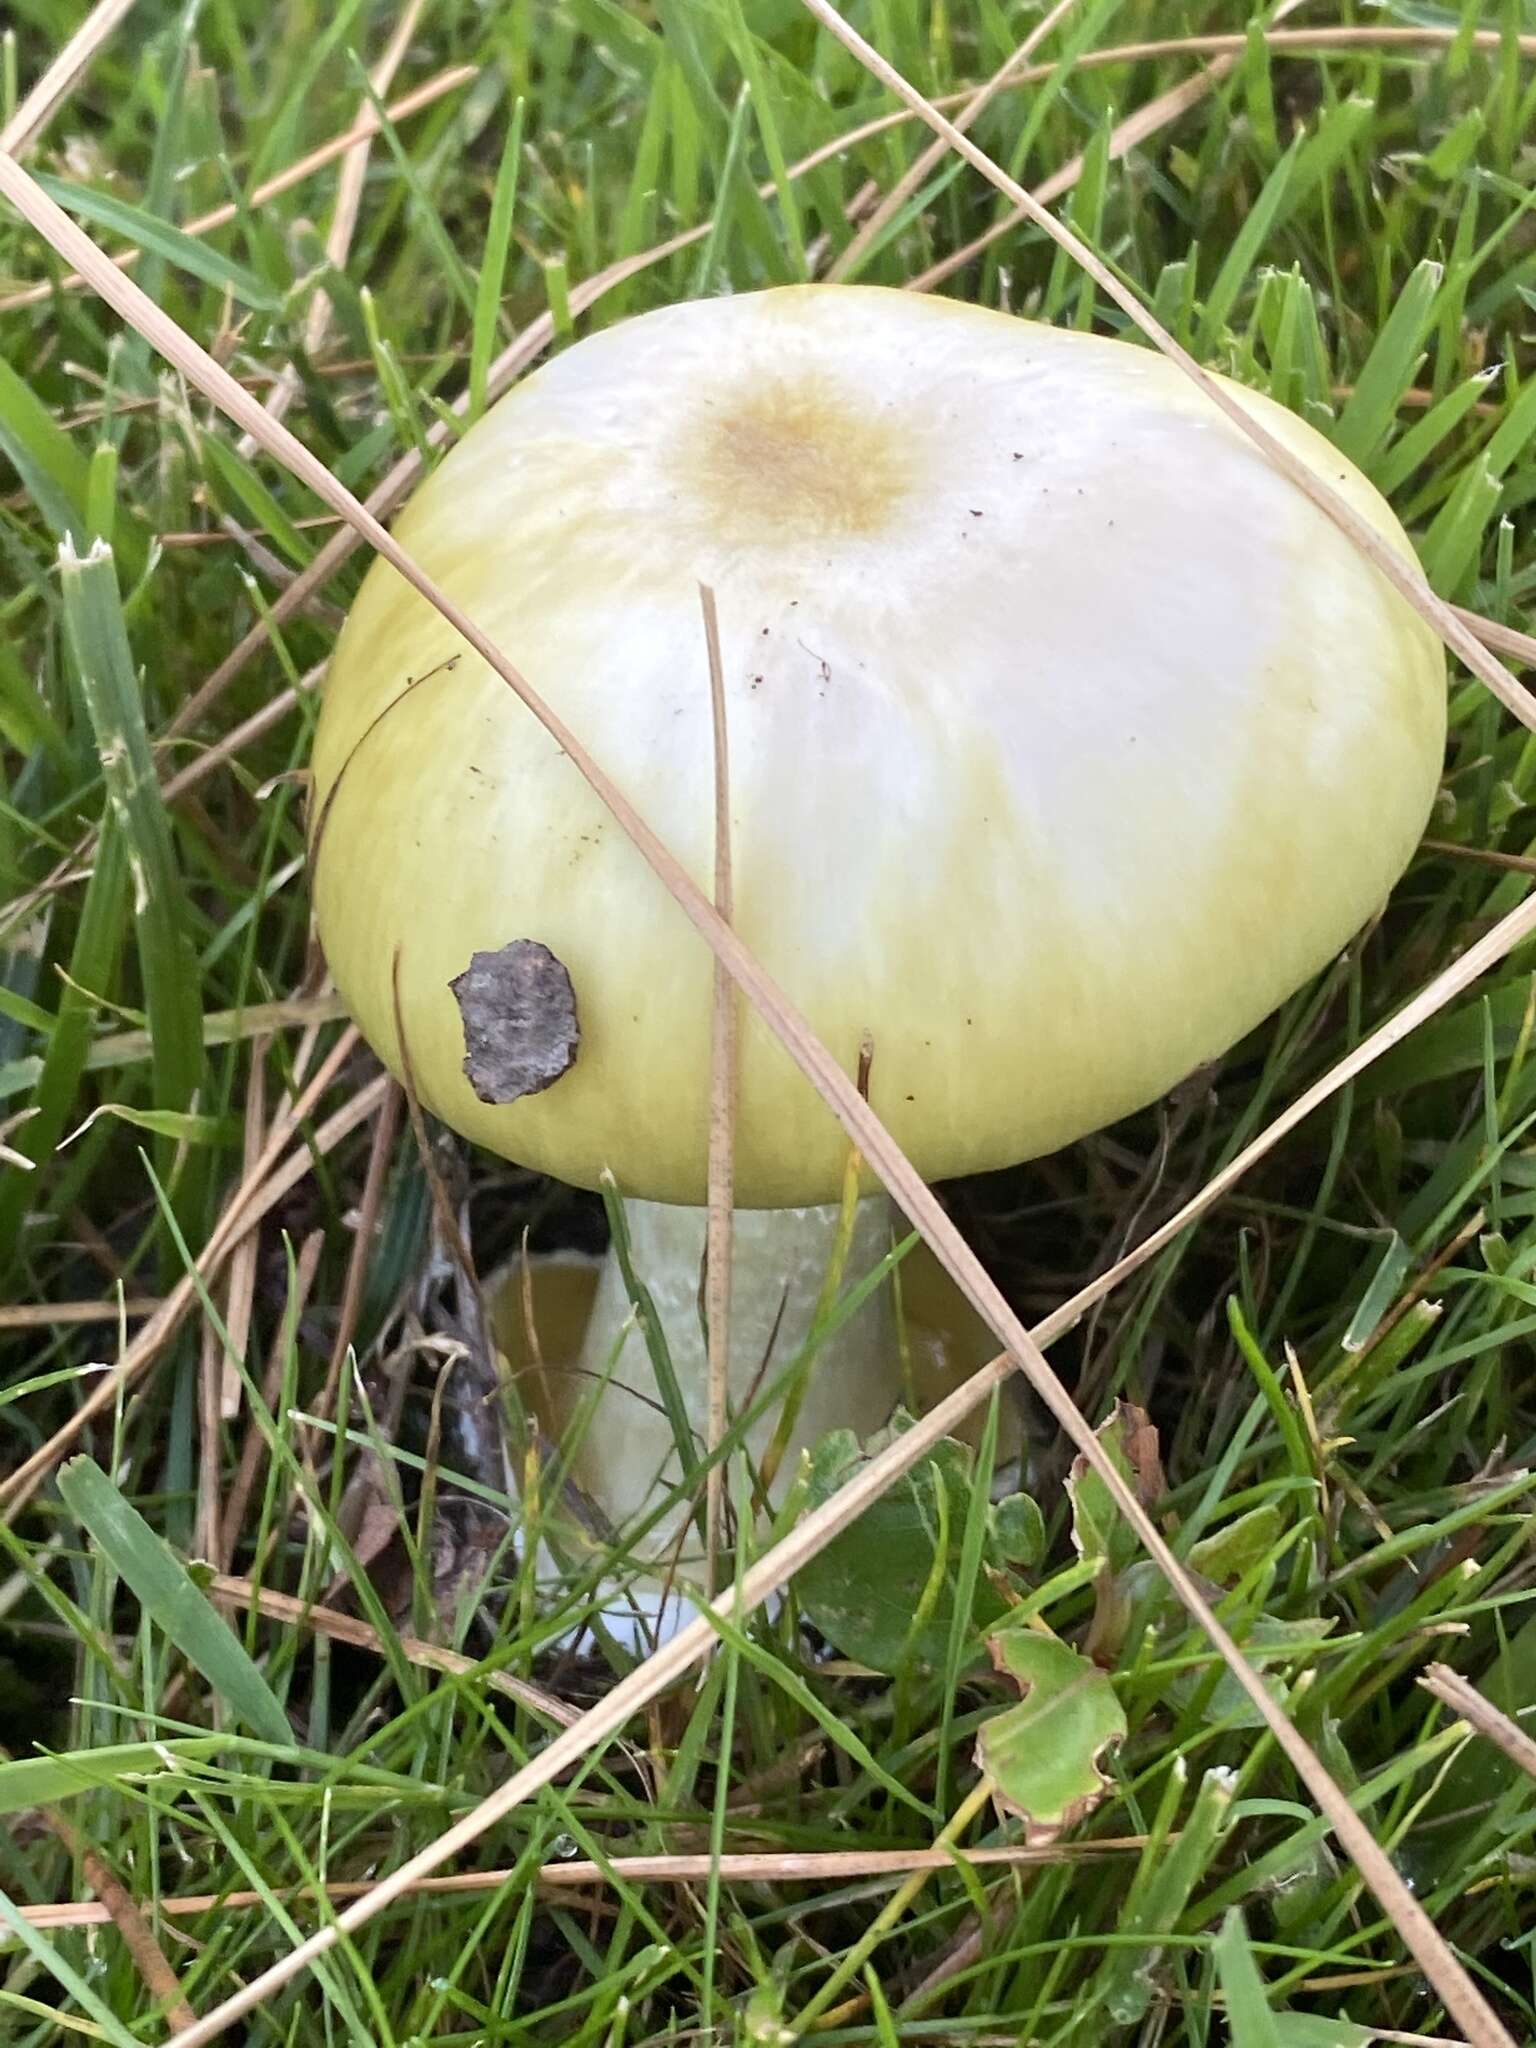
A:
(780, 1262)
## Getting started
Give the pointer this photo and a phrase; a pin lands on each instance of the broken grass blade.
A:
(1155, 1907)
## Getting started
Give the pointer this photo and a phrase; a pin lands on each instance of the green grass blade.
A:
(1411, 450)
(107, 2027)
(493, 263)
(29, 1781)
(55, 475)
(1371, 408)
(142, 230)
(167, 961)
(716, 242)
(92, 973)
(25, 720)
(765, 103)
(251, 495)
(428, 215)
(185, 1126)
(649, 1324)
(1127, 1984)
(303, 63)
(170, 1597)
(838, 1731)
(1451, 547)
(1250, 2022)
(1233, 275)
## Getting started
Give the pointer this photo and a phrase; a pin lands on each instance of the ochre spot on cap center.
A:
(795, 459)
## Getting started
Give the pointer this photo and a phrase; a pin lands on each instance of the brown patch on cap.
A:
(519, 1014)
(795, 457)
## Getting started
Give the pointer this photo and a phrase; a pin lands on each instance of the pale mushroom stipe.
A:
(1067, 740)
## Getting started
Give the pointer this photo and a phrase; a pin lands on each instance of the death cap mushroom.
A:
(1067, 737)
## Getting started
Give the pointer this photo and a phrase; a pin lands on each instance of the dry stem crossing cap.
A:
(1067, 738)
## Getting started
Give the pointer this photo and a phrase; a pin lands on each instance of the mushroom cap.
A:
(1067, 738)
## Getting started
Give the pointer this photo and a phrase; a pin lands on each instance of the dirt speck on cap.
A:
(519, 1014)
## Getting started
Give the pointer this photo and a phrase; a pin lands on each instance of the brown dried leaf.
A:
(519, 1012)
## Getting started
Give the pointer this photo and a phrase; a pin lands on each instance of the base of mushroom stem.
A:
(580, 1311)
(640, 1614)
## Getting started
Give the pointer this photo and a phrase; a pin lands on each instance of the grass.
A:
(1338, 1358)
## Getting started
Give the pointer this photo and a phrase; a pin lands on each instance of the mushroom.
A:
(1067, 739)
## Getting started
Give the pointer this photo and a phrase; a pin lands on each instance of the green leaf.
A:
(164, 1588)
(1043, 1755)
(1455, 538)
(133, 1048)
(1480, 1774)
(1340, 130)
(1085, 212)
(224, 1760)
(1237, 1546)
(36, 2009)
(1456, 535)
(839, 1730)
(680, 24)
(884, 1591)
(427, 212)
(1412, 449)
(764, 102)
(1099, 1530)
(1512, 436)
(144, 231)
(1383, 1290)
(1259, 91)
(21, 1389)
(1017, 1530)
(715, 248)
(1267, 1641)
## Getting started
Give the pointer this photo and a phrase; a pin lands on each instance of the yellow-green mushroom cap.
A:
(1067, 738)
